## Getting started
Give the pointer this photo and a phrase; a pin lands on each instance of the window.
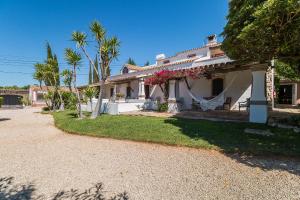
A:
(191, 55)
(128, 92)
(125, 70)
(111, 92)
(147, 91)
(166, 61)
(217, 86)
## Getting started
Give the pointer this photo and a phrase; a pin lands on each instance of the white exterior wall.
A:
(200, 53)
(240, 89)
(157, 93)
(107, 91)
(122, 89)
(135, 89)
(200, 87)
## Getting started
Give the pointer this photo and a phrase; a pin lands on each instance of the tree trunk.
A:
(70, 88)
(79, 111)
(47, 104)
(97, 111)
(91, 101)
(62, 104)
(52, 98)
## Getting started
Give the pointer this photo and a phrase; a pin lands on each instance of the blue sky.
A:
(145, 28)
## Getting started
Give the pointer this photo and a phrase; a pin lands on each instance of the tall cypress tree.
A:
(53, 57)
(131, 61)
(95, 76)
(90, 74)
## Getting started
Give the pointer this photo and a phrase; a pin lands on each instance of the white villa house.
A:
(226, 84)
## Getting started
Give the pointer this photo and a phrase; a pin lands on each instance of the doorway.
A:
(285, 95)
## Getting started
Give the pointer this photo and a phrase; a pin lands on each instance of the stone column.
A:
(172, 90)
(141, 89)
(269, 87)
(172, 104)
(115, 93)
(258, 100)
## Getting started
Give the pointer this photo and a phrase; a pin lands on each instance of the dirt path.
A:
(33, 151)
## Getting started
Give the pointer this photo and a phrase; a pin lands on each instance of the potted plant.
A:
(120, 96)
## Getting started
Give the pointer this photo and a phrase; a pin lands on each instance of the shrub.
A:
(26, 101)
(1, 101)
(70, 100)
(120, 95)
(292, 120)
(46, 108)
(163, 107)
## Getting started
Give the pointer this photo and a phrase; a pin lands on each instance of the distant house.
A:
(225, 81)
(36, 94)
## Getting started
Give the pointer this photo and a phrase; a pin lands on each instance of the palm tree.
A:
(53, 78)
(40, 76)
(74, 59)
(107, 49)
(68, 78)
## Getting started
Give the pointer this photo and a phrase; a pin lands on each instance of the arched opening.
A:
(147, 91)
(217, 86)
(125, 70)
(128, 92)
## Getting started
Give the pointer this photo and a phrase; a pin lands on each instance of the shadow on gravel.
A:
(266, 164)
(4, 119)
(278, 152)
(11, 191)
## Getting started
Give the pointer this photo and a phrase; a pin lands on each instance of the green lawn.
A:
(223, 136)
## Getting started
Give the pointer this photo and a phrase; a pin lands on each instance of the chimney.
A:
(160, 58)
(211, 40)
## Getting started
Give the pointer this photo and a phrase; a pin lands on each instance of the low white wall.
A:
(87, 107)
(129, 107)
(240, 90)
(121, 106)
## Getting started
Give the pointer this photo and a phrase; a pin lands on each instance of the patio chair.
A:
(244, 104)
(227, 103)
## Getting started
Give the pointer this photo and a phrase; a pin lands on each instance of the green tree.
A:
(68, 78)
(39, 74)
(260, 30)
(52, 77)
(54, 63)
(107, 50)
(286, 71)
(90, 92)
(131, 61)
(147, 63)
(73, 58)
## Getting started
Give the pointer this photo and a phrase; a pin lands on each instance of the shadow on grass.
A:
(4, 119)
(252, 150)
(11, 191)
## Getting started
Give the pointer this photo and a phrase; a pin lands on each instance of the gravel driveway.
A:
(33, 151)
